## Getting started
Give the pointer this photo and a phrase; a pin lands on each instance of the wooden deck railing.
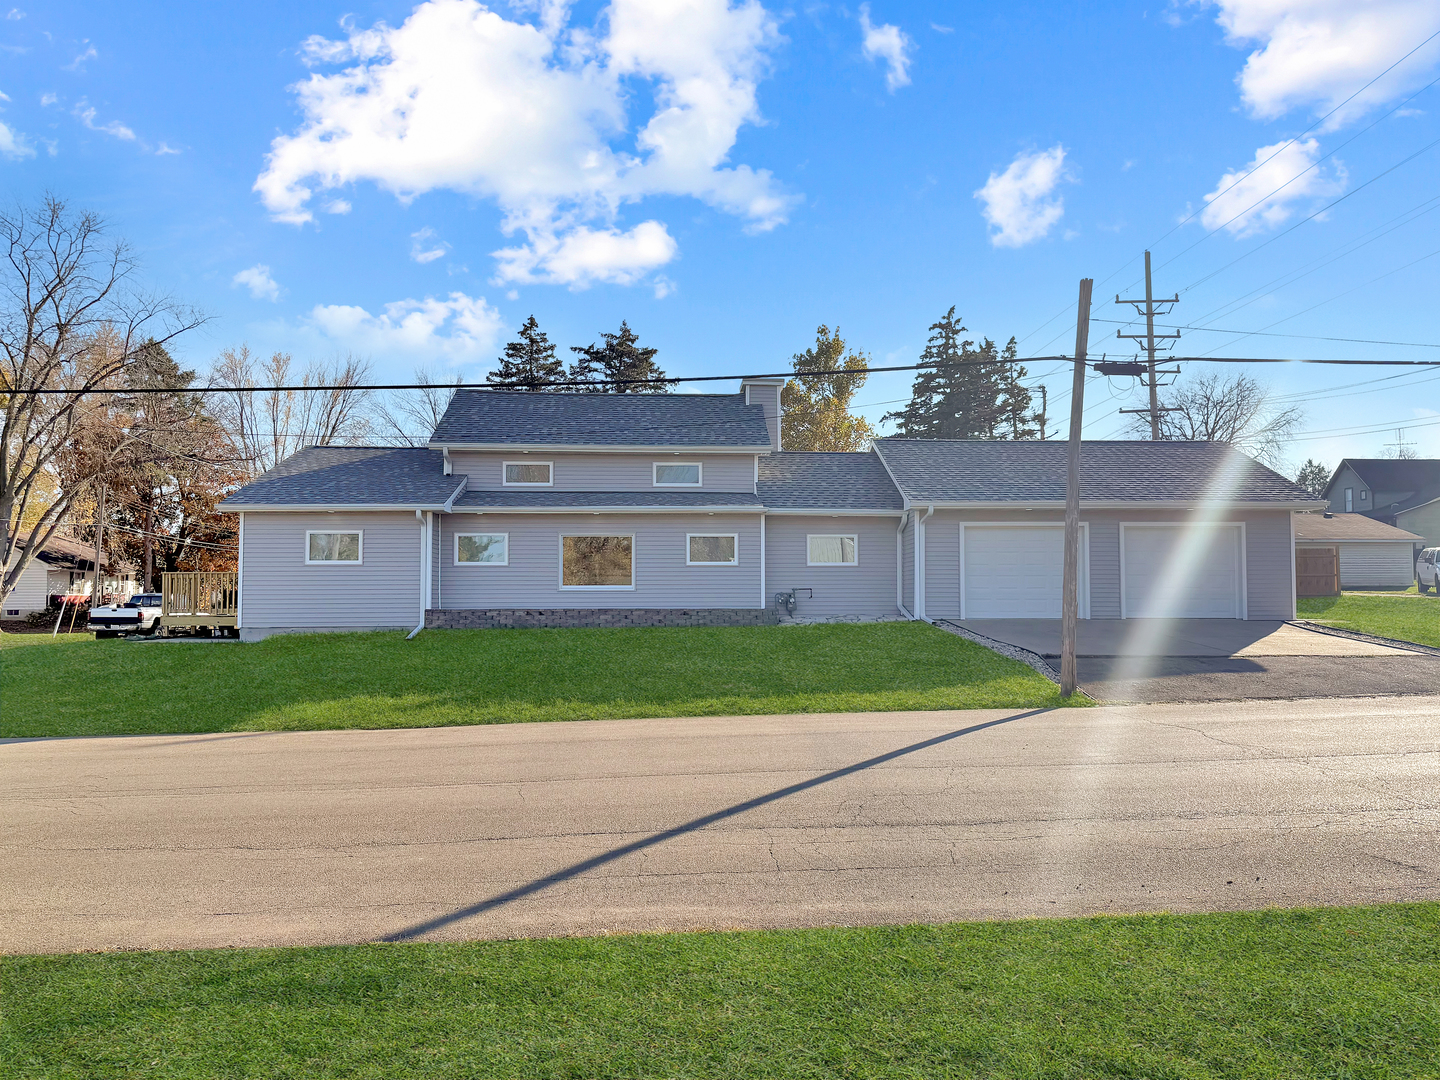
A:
(200, 598)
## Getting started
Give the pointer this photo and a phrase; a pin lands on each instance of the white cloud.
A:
(533, 116)
(888, 43)
(459, 328)
(86, 113)
(583, 256)
(79, 62)
(13, 144)
(942, 29)
(164, 149)
(1264, 199)
(337, 206)
(1316, 53)
(258, 280)
(426, 246)
(49, 99)
(15, 13)
(1018, 203)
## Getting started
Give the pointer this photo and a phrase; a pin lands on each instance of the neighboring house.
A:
(1404, 492)
(64, 567)
(553, 509)
(1372, 555)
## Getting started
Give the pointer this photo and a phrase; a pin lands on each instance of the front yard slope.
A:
(1401, 617)
(78, 686)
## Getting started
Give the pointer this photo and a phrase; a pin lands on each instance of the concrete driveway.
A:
(586, 828)
(1171, 660)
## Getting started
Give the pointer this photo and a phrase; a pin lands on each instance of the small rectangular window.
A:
(527, 474)
(705, 550)
(482, 549)
(830, 550)
(597, 562)
(677, 474)
(1349, 499)
(332, 547)
(1364, 494)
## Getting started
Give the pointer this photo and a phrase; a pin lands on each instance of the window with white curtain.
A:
(482, 549)
(823, 550)
(711, 550)
(677, 474)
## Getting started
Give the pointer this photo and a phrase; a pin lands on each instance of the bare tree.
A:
(72, 321)
(1239, 410)
(267, 425)
(409, 417)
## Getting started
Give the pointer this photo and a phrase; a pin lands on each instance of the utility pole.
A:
(1070, 592)
(1150, 337)
(1044, 409)
(95, 600)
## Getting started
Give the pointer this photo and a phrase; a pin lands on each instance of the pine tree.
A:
(816, 408)
(619, 358)
(529, 363)
(1313, 477)
(969, 392)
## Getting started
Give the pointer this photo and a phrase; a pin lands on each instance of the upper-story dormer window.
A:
(677, 474)
(528, 474)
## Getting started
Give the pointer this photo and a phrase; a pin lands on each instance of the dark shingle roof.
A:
(1348, 527)
(526, 418)
(351, 476)
(586, 500)
(1409, 482)
(826, 481)
(946, 470)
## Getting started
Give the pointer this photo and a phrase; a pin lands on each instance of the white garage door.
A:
(1181, 572)
(1016, 572)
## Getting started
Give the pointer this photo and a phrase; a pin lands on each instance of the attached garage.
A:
(1182, 571)
(1012, 571)
(1373, 555)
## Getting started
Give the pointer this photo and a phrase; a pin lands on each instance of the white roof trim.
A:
(822, 511)
(250, 508)
(562, 447)
(1122, 504)
(744, 509)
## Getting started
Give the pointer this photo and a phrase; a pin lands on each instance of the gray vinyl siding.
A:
(867, 588)
(1380, 564)
(30, 591)
(605, 472)
(907, 562)
(280, 590)
(1423, 521)
(1269, 582)
(1347, 478)
(662, 577)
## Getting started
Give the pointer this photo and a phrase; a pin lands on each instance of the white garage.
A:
(1373, 555)
(1017, 571)
(1182, 571)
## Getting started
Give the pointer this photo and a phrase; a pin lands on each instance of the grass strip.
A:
(79, 686)
(1404, 618)
(1346, 992)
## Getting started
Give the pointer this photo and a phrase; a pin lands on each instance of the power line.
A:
(1305, 337)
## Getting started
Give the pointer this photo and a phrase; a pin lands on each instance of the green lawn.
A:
(1405, 618)
(79, 686)
(1346, 992)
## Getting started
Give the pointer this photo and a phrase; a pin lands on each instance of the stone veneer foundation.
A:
(556, 618)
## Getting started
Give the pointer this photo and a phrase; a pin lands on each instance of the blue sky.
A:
(409, 183)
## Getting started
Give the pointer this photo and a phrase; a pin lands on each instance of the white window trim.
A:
(853, 537)
(733, 562)
(505, 482)
(560, 569)
(699, 473)
(1243, 600)
(1082, 590)
(335, 562)
(459, 562)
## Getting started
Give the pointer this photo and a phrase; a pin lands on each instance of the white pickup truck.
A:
(139, 614)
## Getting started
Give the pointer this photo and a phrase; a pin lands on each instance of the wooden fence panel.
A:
(1317, 571)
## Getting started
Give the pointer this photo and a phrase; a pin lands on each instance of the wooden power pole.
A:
(1070, 601)
(95, 600)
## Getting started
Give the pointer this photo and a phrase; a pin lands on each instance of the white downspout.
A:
(240, 576)
(764, 601)
(423, 518)
(920, 563)
(900, 568)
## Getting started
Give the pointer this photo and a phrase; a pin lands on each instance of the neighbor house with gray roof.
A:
(569, 509)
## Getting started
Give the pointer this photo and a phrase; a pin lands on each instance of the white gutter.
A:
(583, 509)
(424, 519)
(329, 508)
(562, 448)
(920, 563)
(900, 568)
(764, 600)
(240, 577)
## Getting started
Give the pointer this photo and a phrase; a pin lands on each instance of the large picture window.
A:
(527, 474)
(677, 474)
(708, 550)
(482, 549)
(830, 550)
(332, 547)
(597, 562)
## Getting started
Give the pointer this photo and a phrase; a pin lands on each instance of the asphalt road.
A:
(586, 828)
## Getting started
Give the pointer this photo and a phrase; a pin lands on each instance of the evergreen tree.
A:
(969, 392)
(1313, 477)
(529, 363)
(816, 408)
(622, 358)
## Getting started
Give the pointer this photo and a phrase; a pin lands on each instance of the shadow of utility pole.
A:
(574, 870)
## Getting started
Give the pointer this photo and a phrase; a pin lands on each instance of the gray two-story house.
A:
(557, 509)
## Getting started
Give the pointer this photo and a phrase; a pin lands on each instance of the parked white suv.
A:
(1427, 570)
(139, 614)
